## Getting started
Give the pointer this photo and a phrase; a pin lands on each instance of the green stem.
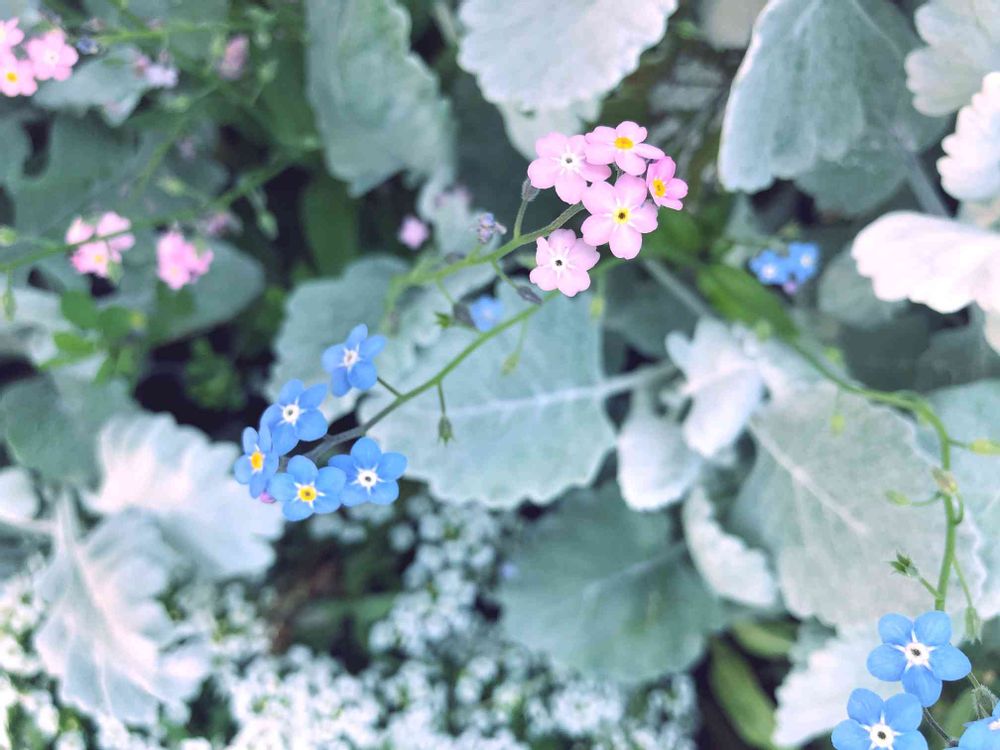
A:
(519, 219)
(389, 388)
(440, 390)
(503, 275)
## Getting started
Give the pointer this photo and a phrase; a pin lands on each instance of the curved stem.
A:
(519, 219)
(949, 740)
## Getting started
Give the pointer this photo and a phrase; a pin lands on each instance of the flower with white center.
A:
(882, 725)
(372, 476)
(983, 734)
(563, 262)
(295, 416)
(351, 364)
(562, 163)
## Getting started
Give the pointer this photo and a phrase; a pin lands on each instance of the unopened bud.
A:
(528, 191)
(903, 564)
(445, 431)
(973, 626)
(528, 294)
(985, 446)
(897, 498)
(946, 481)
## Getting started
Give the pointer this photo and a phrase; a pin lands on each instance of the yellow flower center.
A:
(307, 493)
(623, 143)
(659, 188)
(257, 460)
(12, 76)
(621, 215)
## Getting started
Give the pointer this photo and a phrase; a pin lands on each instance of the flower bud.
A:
(528, 295)
(946, 481)
(528, 191)
(897, 498)
(445, 431)
(460, 312)
(985, 447)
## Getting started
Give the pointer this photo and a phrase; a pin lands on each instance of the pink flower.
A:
(113, 224)
(562, 163)
(563, 262)
(622, 145)
(178, 261)
(412, 232)
(664, 188)
(10, 35)
(79, 231)
(92, 257)
(619, 215)
(51, 57)
(234, 59)
(16, 76)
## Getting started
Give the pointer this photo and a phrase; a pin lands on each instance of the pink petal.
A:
(573, 282)
(542, 251)
(600, 153)
(643, 218)
(625, 242)
(599, 198)
(597, 229)
(664, 169)
(670, 203)
(629, 191)
(570, 187)
(646, 151)
(577, 144)
(543, 171)
(630, 162)
(676, 189)
(552, 144)
(562, 240)
(594, 172)
(631, 130)
(544, 278)
(583, 256)
(601, 134)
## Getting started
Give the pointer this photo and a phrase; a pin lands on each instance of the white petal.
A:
(970, 171)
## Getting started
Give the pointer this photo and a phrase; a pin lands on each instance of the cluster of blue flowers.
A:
(366, 475)
(787, 271)
(919, 654)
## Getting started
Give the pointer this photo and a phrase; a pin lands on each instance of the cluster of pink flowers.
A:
(578, 167)
(99, 245)
(48, 58)
(178, 262)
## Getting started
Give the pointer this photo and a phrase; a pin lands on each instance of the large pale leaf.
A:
(847, 296)
(939, 262)
(551, 55)
(957, 355)
(820, 81)
(378, 107)
(728, 565)
(602, 589)
(970, 169)
(964, 45)
(727, 23)
(819, 500)
(16, 148)
(105, 637)
(970, 412)
(812, 700)
(29, 332)
(525, 127)
(530, 434)
(185, 482)
(655, 465)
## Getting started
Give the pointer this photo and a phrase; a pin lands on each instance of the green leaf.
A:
(378, 106)
(79, 309)
(74, 344)
(330, 223)
(767, 640)
(749, 709)
(115, 322)
(50, 424)
(806, 497)
(191, 44)
(602, 589)
(16, 148)
(642, 311)
(739, 296)
(847, 296)
(520, 420)
(820, 83)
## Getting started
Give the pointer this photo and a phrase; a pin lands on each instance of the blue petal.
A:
(933, 628)
(910, 741)
(312, 397)
(302, 469)
(865, 707)
(326, 504)
(391, 466)
(270, 464)
(281, 487)
(311, 425)
(283, 435)
(290, 391)
(339, 384)
(242, 469)
(384, 493)
(358, 334)
(345, 464)
(848, 735)
(331, 480)
(365, 453)
(903, 712)
(948, 663)
(895, 629)
(887, 663)
(270, 417)
(363, 375)
(996, 711)
(258, 483)
(354, 494)
(333, 357)
(249, 439)
(920, 682)
(978, 736)
(264, 439)
(372, 346)
(296, 511)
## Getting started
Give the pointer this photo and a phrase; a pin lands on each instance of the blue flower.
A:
(771, 268)
(371, 474)
(803, 260)
(304, 489)
(919, 653)
(296, 415)
(350, 364)
(486, 312)
(877, 724)
(259, 461)
(983, 734)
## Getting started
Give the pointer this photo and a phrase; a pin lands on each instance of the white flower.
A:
(970, 170)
